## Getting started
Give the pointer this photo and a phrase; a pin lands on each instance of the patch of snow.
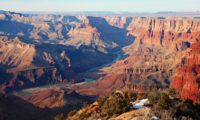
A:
(155, 118)
(144, 100)
(140, 104)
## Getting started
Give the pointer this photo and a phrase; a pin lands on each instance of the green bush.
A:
(164, 102)
(101, 101)
(153, 95)
(188, 109)
(115, 105)
(173, 93)
(132, 96)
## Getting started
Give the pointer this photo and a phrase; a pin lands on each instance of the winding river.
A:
(119, 56)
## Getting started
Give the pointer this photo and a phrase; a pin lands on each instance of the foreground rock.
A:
(15, 108)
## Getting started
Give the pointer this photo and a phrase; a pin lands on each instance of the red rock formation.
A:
(16, 53)
(159, 49)
(58, 42)
(137, 73)
(53, 97)
(187, 78)
(49, 98)
(24, 65)
(169, 32)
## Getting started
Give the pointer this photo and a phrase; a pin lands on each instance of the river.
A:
(119, 56)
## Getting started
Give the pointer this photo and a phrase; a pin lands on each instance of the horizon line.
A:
(93, 11)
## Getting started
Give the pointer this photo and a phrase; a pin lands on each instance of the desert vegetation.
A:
(162, 103)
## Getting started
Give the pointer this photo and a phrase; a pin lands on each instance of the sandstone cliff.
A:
(79, 43)
(42, 49)
(160, 47)
(186, 78)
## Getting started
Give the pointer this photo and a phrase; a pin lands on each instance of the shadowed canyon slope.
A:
(38, 50)
(14, 108)
(162, 46)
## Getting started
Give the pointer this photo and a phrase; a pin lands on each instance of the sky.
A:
(101, 5)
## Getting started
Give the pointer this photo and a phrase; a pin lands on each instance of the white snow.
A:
(155, 118)
(140, 104)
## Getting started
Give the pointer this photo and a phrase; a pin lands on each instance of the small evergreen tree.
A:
(153, 95)
(115, 105)
(131, 96)
(101, 101)
(164, 101)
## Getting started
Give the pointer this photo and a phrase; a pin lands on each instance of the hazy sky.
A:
(100, 5)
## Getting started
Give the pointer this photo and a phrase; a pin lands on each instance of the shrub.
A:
(153, 95)
(141, 96)
(83, 116)
(85, 104)
(59, 117)
(115, 105)
(164, 102)
(173, 93)
(131, 96)
(188, 109)
(71, 113)
(101, 101)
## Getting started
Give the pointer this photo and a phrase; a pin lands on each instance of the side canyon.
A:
(39, 50)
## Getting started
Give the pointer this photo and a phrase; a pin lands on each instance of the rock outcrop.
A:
(160, 48)
(15, 108)
(186, 79)
(67, 30)
(167, 32)
(24, 65)
(47, 98)
(77, 43)
(55, 98)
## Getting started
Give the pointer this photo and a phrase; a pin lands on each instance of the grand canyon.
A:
(51, 64)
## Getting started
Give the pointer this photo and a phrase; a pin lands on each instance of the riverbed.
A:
(93, 74)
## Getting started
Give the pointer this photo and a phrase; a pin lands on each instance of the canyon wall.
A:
(160, 51)
(186, 79)
(167, 32)
(156, 58)
(38, 50)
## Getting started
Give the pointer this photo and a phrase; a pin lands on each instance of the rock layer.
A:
(160, 48)
(186, 79)
(79, 43)
(41, 49)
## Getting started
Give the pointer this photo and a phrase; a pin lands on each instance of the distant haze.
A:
(100, 5)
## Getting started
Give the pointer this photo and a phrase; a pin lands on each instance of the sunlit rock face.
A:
(167, 32)
(164, 31)
(26, 65)
(160, 48)
(66, 30)
(186, 79)
(41, 49)
(52, 97)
